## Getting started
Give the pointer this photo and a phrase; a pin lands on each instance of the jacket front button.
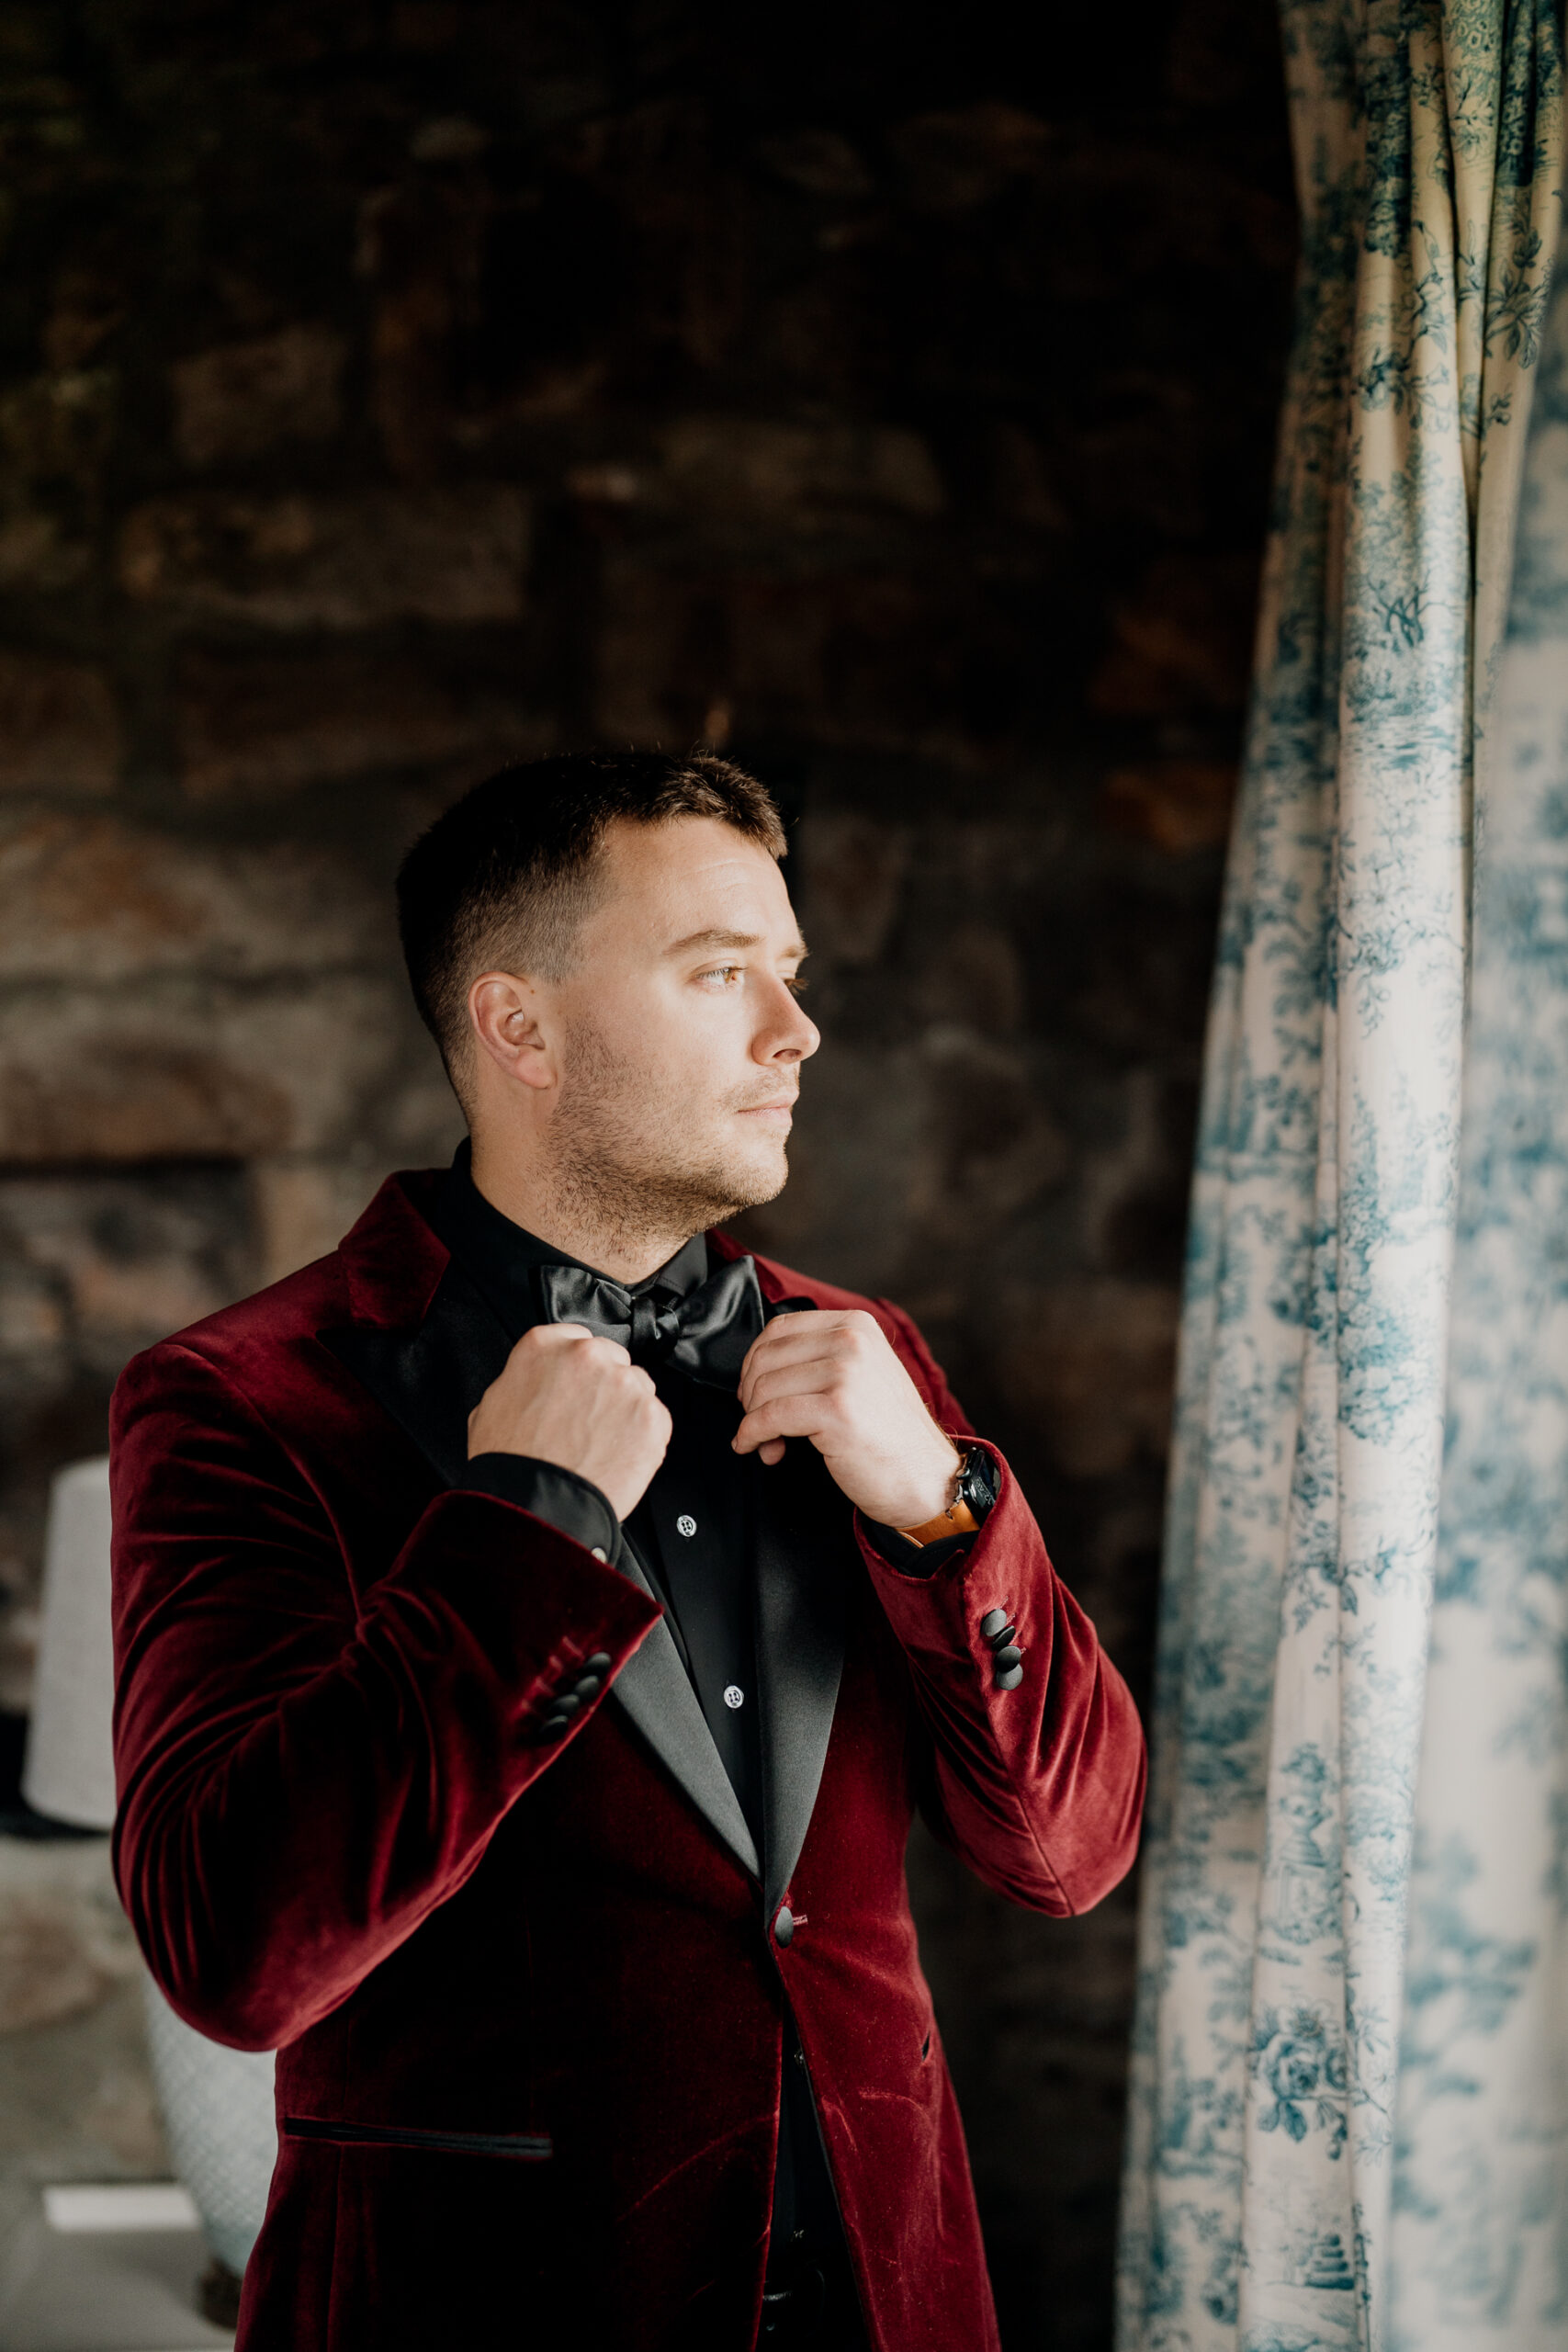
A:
(1008, 1659)
(992, 1622)
(1010, 1678)
(784, 1925)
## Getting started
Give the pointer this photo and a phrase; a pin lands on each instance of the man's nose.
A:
(795, 1037)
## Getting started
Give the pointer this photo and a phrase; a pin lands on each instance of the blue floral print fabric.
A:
(1362, 1288)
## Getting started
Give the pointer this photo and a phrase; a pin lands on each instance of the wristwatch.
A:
(966, 1511)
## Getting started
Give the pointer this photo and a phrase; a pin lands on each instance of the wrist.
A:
(973, 1492)
(928, 1500)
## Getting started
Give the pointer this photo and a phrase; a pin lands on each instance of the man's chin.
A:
(747, 1183)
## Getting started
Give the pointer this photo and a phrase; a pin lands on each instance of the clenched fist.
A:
(579, 1402)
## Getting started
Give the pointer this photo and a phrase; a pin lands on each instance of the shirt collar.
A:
(502, 1256)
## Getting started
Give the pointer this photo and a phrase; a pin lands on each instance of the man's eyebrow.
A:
(736, 939)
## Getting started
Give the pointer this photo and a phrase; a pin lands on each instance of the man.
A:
(536, 1624)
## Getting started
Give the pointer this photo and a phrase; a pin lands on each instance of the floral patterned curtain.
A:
(1481, 2147)
(1379, 1247)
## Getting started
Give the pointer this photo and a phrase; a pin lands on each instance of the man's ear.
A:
(504, 1014)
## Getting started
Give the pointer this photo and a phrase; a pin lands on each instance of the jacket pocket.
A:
(531, 2147)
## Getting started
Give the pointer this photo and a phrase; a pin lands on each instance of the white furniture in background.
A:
(68, 1772)
(217, 2102)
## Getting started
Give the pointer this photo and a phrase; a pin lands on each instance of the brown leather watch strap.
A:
(956, 1520)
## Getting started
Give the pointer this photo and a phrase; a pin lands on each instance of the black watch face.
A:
(975, 1484)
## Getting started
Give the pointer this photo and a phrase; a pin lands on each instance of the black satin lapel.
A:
(656, 1691)
(804, 1556)
(430, 1379)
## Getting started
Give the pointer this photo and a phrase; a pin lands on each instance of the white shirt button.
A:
(734, 1696)
(687, 1525)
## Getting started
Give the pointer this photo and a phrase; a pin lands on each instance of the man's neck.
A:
(619, 1244)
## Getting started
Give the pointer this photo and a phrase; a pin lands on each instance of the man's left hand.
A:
(834, 1378)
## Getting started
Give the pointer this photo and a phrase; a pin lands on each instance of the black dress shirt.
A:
(690, 1534)
(689, 1531)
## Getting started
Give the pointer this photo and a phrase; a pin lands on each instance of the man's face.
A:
(680, 1033)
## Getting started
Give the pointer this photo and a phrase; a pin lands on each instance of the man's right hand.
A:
(568, 1397)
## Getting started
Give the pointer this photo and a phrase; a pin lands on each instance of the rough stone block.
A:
(38, 556)
(124, 1258)
(303, 1208)
(239, 401)
(59, 726)
(58, 426)
(196, 1069)
(454, 556)
(822, 162)
(1093, 1361)
(910, 1158)
(805, 476)
(249, 727)
(851, 872)
(950, 163)
(91, 899)
(863, 659)
(1179, 804)
(1183, 641)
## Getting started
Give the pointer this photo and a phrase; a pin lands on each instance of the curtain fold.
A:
(1304, 1529)
(1479, 2232)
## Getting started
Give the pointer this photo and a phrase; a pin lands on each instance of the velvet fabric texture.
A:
(530, 2012)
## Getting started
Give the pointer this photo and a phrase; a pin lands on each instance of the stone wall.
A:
(397, 387)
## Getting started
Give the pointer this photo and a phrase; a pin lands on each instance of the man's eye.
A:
(720, 972)
(797, 987)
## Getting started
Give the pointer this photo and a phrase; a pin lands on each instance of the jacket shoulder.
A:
(780, 1282)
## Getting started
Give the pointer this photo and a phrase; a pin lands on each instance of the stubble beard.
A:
(628, 1168)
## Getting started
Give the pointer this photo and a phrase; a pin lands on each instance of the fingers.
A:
(793, 1415)
(790, 1336)
(828, 1362)
(549, 1335)
(796, 1374)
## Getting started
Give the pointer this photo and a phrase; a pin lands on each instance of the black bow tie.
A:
(705, 1333)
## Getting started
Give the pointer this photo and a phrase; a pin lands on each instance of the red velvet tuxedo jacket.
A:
(529, 2011)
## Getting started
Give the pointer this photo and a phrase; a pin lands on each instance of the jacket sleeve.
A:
(1039, 1788)
(304, 1778)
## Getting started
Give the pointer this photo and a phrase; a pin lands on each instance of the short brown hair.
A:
(506, 875)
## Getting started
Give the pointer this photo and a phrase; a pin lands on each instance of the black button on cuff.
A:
(588, 1686)
(1010, 1678)
(598, 1662)
(554, 1724)
(992, 1622)
(1008, 1659)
